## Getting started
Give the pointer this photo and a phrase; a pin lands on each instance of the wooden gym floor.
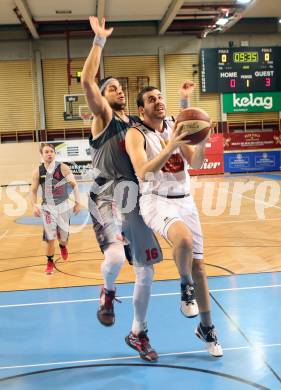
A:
(240, 216)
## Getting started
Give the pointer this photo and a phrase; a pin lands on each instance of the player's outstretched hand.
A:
(186, 89)
(177, 138)
(99, 29)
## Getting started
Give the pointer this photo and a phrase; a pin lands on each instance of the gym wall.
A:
(18, 92)
(17, 161)
(18, 95)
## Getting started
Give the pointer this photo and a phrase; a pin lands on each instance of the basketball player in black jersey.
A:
(54, 179)
(107, 141)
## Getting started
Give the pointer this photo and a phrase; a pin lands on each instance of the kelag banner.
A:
(255, 140)
(252, 161)
(252, 102)
(213, 163)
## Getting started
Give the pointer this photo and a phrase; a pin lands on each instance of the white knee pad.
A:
(115, 254)
(114, 258)
(144, 275)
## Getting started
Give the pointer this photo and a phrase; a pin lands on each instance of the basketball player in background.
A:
(160, 155)
(54, 178)
(110, 160)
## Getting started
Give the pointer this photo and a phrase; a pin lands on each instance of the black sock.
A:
(206, 320)
(50, 258)
(186, 279)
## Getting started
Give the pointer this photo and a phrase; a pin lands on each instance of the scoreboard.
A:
(241, 69)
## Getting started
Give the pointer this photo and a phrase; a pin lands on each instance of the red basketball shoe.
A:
(141, 344)
(64, 252)
(105, 312)
(50, 267)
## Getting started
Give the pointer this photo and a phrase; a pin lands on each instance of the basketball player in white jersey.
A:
(160, 157)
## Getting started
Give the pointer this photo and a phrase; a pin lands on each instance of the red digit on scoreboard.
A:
(232, 83)
(267, 81)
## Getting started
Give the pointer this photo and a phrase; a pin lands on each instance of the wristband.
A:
(99, 41)
(184, 103)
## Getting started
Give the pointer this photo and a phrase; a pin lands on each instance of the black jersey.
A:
(108, 150)
(54, 185)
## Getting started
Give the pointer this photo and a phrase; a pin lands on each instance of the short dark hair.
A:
(43, 144)
(103, 81)
(140, 102)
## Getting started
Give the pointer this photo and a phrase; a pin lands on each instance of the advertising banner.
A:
(252, 102)
(252, 161)
(252, 140)
(213, 163)
(76, 154)
(72, 150)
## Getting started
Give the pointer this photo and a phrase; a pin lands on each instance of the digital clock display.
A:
(240, 69)
(246, 56)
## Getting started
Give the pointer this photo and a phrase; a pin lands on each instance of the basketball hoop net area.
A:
(76, 108)
(87, 119)
(85, 115)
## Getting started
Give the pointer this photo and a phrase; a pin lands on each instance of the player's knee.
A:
(144, 275)
(50, 242)
(114, 255)
(184, 243)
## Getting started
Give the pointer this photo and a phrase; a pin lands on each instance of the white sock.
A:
(142, 291)
(114, 257)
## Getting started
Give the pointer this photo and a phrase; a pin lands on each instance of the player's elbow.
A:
(85, 83)
(86, 80)
(141, 173)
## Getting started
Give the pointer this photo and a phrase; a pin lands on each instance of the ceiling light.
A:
(221, 21)
(243, 1)
(279, 20)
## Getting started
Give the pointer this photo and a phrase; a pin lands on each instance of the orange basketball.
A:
(196, 122)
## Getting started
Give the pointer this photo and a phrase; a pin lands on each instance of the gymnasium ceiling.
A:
(51, 18)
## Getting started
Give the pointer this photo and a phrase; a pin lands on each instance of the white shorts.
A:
(56, 221)
(159, 213)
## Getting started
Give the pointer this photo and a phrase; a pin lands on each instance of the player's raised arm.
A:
(186, 90)
(97, 103)
(135, 148)
(194, 156)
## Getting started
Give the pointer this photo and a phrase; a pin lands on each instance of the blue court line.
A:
(159, 287)
(99, 344)
(167, 294)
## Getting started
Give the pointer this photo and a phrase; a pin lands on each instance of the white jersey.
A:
(173, 178)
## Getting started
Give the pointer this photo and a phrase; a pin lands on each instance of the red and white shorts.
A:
(56, 221)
